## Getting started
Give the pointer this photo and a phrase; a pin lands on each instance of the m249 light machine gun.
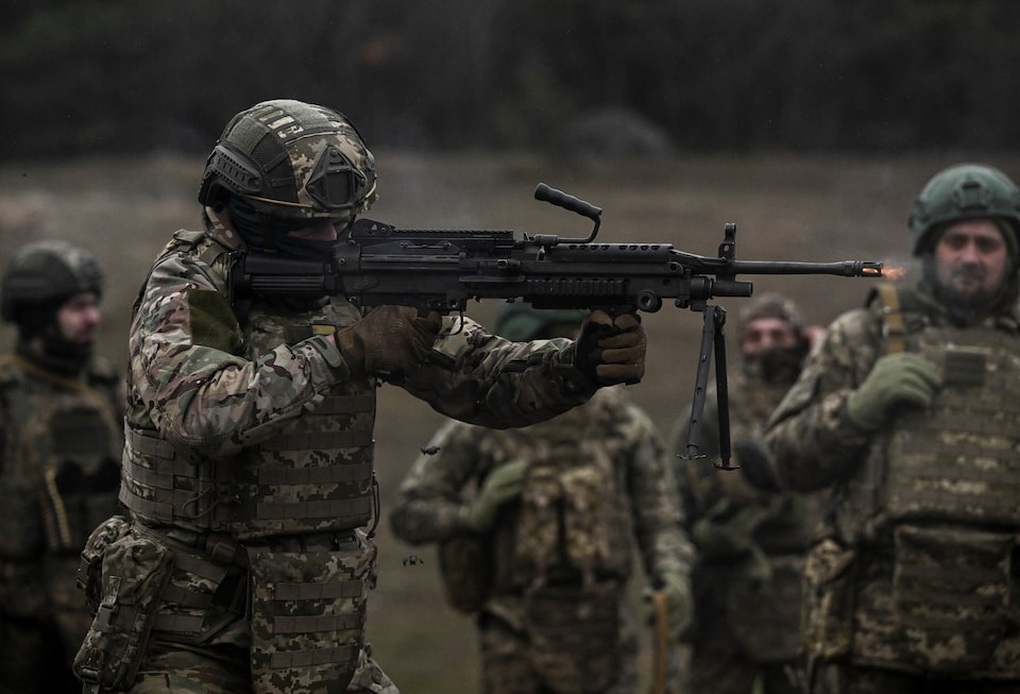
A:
(439, 270)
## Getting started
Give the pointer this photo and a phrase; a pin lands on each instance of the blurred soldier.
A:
(908, 410)
(542, 550)
(750, 544)
(60, 441)
(247, 467)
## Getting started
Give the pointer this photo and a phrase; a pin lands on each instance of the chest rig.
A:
(574, 521)
(60, 450)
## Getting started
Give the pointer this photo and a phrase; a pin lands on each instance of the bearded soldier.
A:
(60, 440)
(537, 528)
(247, 467)
(750, 544)
(908, 411)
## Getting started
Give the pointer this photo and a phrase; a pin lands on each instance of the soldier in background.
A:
(537, 527)
(908, 412)
(747, 587)
(60, 441)
(248, 463)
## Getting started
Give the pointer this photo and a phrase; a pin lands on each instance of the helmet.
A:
(47, 273)
(770, 305)
(292, 160)
(965, 191)
(520, 321)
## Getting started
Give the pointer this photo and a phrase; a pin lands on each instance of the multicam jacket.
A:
(917, 570)
(246, 429)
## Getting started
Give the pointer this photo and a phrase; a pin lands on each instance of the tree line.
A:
(85, 76)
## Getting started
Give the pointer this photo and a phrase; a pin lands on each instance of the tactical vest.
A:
(942, 588)
(574, 519)
(60, 450)
(315, 476)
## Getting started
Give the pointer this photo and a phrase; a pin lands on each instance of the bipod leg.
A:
(722, 389)
(708, 334)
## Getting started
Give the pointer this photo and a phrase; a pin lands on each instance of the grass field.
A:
(800, 208)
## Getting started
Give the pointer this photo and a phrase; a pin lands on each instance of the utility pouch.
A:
(135, 570)
(308, 613)
(90, 569)
(574, 636)
(951, 594)
(466, 572)
(827, 615)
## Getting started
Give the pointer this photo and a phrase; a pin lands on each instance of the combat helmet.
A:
(521, 322)
(292, 162)
(965, 191)
(43, 275)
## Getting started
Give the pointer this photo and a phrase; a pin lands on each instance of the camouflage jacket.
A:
(922, 516)
(196, 381)
(640, 500)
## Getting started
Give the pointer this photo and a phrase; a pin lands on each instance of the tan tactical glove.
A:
(611, 351)
(389, 340)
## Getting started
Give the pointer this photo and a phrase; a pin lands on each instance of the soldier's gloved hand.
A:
(679, 604)
(503, 484)
(896, 379)
(611, 351)
(389, 340)
(724, 532)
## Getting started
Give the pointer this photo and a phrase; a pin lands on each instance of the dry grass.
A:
(804, 208)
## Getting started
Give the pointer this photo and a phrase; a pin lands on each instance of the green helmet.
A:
(965, 191)
(292, 161)
(43, 275)
(520, 321)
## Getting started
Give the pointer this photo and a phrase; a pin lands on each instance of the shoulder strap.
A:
(894, 330)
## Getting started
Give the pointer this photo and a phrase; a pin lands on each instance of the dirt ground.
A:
(799, 208)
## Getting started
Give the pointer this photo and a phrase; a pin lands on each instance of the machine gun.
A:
(439, 270)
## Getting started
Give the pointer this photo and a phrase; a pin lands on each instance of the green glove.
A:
(720, 535)
(679, 604)
(896, 379)
(503, 484)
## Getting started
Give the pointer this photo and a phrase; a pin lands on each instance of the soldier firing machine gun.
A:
(439, 270)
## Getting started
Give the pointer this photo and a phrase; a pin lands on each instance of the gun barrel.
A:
(842, 268)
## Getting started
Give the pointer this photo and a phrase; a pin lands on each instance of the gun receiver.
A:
(440, 270)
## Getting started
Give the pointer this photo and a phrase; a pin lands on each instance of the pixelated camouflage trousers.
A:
(513, 661)
(225, 670)
(853, 679)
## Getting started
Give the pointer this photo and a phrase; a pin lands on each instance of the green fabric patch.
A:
(213, 323)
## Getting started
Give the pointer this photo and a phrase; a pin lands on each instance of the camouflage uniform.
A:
(748, 588)
(60, 440)
(553, 569)
(249, 460)
(913, 586)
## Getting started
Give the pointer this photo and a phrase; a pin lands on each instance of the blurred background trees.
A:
(86, 76)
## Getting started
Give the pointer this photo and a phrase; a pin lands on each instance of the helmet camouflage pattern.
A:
(965, 191)
(292, 160)
(521, 322)
(45, 273)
